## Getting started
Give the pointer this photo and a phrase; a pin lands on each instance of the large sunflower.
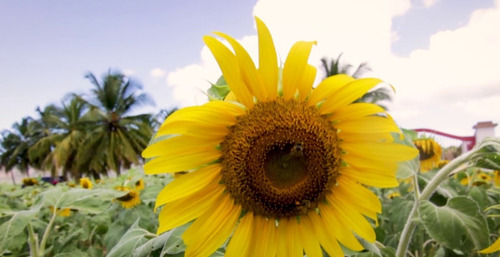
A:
(280, 166)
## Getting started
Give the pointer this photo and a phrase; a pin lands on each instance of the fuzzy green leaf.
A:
(90, 201)
(459, 225)
(152, 245)
(131, 240)
(76, 253)
(15, 226)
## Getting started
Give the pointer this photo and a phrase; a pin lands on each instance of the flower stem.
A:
(33, 241)
(47, 232)
(412, 220)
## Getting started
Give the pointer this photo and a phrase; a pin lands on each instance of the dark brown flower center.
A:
(280, 158)
(131, 195)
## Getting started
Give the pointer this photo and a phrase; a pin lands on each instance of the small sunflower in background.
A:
(393, 195)
(66, 212)
(430, 153)
(131, 199)
(139, 185)
(86, 183)
(478, 178)
(29, 182)
(280, 166)
(496, 178)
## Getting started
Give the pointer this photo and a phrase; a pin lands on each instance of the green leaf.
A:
(175, 244)
(132, 239)
(76, 253)
(459, 225)
(90, 201)
(219, 90)
(487, 154)
(478, 194)
(152, 245)
(15, 226)
(489, 161)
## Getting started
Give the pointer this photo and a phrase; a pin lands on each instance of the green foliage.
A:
(32, 224)
(448, 217)
(459, 225)
(219, 90)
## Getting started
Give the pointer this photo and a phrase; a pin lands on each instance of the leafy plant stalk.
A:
(47, 233)
(32, 241)
(411, 222)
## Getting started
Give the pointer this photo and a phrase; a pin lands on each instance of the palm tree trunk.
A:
(13, 177)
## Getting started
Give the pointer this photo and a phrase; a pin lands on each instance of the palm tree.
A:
(116, 137)
(44, 138)
(15, 147)
(56, 148)
(72, 131)
(334, 67)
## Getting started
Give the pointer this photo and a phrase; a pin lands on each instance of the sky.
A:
(441, 56)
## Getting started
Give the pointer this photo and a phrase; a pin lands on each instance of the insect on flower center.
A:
(280, 158)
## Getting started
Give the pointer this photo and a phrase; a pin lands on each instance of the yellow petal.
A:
(281, 247)
(211, 230)
(242, 238)
(190, 183)
(341, 231)
(230, 97)
(247, 68)
(348, 137)
(308, 238)
(355, 111)
(326, 240)
(268, 60)
(369, 178)
(181, 162)
(294, 244)
(182, 211)
(230, 70)
(348, 191)
(295, 67)
(351, 218)
(220, 111)
(492, 248)
(369, 124)
(369, 163)
(180, 144)
(348, 94)
(265, 242)
(306, 81)
(373, 150)
(212, 118)
(328, 87)
(196, 129)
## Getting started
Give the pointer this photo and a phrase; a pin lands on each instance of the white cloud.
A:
(429, 3)
(128, 72)
(460, 60)
(157, 73)
(401, 7)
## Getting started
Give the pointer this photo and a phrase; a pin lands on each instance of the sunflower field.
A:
(102, 218)
(272, 165)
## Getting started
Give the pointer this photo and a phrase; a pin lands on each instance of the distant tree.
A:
(72, 131)
(116, 137)
(15, 146)
(44, 139)
(58, 135)
(334, 66)
(160, 117)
